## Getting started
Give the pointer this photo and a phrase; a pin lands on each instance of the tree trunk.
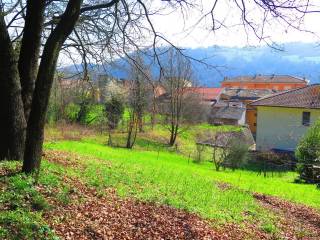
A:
(132, 131)
(140, 121)
(29, 51)
(173, 134)
(4, 119)
(35, 130)
(128, 145)
(14, 133)
(153, 112)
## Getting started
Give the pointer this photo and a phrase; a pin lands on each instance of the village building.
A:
(273, 82)
(246, 96)
(228, 113)
(283, 118)
(207, 95)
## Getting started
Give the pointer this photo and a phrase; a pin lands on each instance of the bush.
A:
(114, 109)
(53, 113)
(237, 154)
(72, 111)
(308, 149)
(95, 115)
(308, 153)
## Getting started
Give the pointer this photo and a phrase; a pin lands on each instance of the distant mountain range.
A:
(297, 59)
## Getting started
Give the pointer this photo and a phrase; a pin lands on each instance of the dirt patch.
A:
(69, 159)
(223, 186)
(297, 221)
(246, 231)
(111, 217)
(66, 159)
(103, 215)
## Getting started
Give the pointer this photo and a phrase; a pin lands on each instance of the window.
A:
(306, 118)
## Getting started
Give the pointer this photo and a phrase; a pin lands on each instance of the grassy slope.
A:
(170, 167)
(22, 205)
(145, 175)
(161, 176)
(166, 179)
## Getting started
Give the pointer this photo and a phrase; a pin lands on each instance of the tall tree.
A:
(177, 78)
(29, 50)
(137, 98)
(14, 121)
(33, 33)
(40, 100)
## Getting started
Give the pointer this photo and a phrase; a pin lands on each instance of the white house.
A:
(283, 118)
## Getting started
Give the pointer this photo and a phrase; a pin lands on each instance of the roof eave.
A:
(263, 105)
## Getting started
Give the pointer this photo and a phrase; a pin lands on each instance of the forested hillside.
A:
(298, 59)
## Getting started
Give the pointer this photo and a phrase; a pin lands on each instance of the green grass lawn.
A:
(165, 178)
(150, 172)
(22, 205)
(148, 168)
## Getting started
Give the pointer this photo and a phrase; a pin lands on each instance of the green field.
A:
(156, 171)
(150, 172)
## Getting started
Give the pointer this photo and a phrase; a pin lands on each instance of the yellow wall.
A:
(251, 119)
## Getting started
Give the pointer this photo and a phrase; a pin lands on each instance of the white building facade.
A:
(282, 127)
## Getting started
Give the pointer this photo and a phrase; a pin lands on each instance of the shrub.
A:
(53, 113)
(237, 154)
(85, 113)
(308, 153)
(114, 109)
(95, 115)
(308, 149)
(72, 111)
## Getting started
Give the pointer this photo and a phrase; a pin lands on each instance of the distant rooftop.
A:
(229, 112)
(305, 97)
(266, 79)
(249, 94)
(206, 93)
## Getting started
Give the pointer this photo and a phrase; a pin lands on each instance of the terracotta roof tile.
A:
(252, 94)
(206, 93)
(266, 79)
(305, 97)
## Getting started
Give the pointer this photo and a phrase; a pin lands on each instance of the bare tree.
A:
(92, 29)
(137, 99)
(177, 104)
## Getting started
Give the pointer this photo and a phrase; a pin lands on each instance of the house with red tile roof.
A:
(272, 82)
(206, 94)
(283, 118)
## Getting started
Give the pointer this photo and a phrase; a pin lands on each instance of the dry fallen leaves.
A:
(92, 216)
